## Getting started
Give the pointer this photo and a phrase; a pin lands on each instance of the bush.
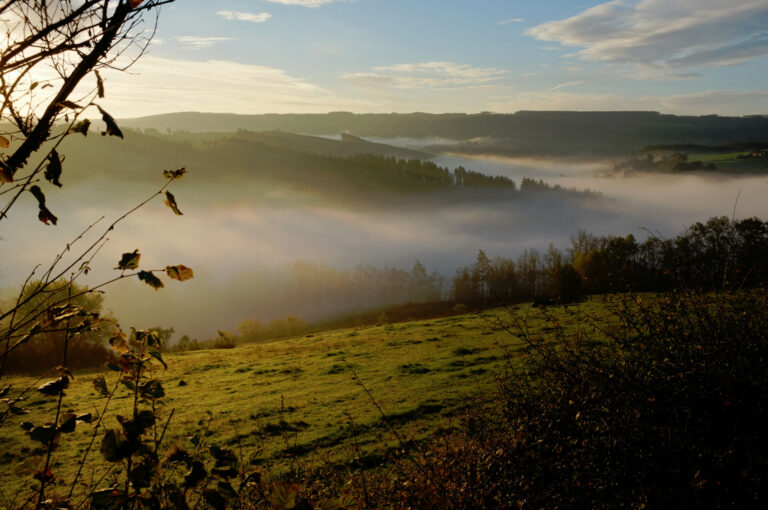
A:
(662, 406)
(86, 349)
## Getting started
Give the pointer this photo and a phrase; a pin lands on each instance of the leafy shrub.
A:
(662, 407)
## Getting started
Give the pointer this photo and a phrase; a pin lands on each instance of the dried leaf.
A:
(174, 174)
(85, 417)
(43, 434)
(129, 260)
(158, 356)
(54, 388)
(38, 194)
(170, 201)
(45, 215)
(152, 389)
(119, 342)
(151, 280)
(53, 170)
(99, 84)
(67, 423)
(4, 142)
(195, 475)
(180, 272)
(6, 175)
(115, 446)
(112, 129)
(81, 127)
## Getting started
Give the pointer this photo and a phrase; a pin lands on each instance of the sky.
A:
(311, 56)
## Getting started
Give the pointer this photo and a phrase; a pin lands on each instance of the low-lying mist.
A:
(243, 238)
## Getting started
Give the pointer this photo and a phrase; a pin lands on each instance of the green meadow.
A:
(296, 400)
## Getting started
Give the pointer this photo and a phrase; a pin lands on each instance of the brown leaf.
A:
(99, 84)
(174, 174)
(112, 129)
(180, 272)
(170, 201)
(150, 279)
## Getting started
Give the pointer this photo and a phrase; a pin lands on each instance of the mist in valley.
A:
(264, 250)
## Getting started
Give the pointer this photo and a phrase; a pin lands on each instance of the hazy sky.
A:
(256, 56)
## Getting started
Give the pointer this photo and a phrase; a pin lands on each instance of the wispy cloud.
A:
(664, 34)
(197, 42)
(569, 84)
(305, 3)
(260, 17)
(161, 85)
(439, 75)
(511, 20)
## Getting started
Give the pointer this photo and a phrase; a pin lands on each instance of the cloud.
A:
(430, 75)
(245, 16)
(161, 85)
(304, 3)
(197, 42)
(660, 33)
(570, 84)
(511, 20)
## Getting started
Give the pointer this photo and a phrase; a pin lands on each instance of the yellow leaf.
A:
(180, 272)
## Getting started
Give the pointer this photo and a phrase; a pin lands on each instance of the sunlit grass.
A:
(296, 398)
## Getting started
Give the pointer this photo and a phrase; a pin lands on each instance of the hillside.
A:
(352, 168)
(294, 400)
(522, 133)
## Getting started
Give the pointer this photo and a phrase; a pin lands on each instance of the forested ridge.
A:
(311, 164)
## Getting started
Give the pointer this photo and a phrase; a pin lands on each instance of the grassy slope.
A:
(420, 373)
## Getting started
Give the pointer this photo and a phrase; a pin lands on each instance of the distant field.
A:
(419, 372)
(729, 162)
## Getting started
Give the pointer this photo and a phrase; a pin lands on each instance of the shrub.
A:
(662, 406)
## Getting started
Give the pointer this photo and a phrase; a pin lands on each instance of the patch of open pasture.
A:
(298, 398)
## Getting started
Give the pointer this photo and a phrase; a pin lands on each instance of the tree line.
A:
(718, 253)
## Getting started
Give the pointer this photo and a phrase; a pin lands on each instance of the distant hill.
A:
(349, 145)
(524, 132)
(351, 169)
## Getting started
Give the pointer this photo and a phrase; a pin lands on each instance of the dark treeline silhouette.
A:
(751, 146)
(558, 131)
(715, 254)
(676, 162)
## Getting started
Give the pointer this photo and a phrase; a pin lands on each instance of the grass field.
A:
(729, 162)
(294, 400)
